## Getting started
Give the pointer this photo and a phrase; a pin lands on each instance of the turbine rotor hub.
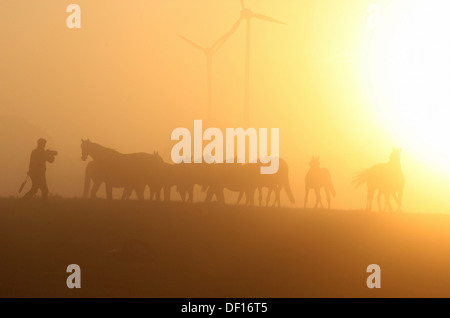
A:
(246, 13)
(209, 51)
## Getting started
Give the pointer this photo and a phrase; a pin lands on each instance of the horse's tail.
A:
(331, 187)
(328, 183)
(283, 180)
(360, 178)
(287, 187)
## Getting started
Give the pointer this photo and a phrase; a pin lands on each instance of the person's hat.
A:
(42, 141)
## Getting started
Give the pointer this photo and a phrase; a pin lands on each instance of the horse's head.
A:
(314, 163)
(85, 148)
(395, 155)
(157, 156)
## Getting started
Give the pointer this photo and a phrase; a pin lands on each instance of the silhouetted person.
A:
(37, 169)
(316, 179)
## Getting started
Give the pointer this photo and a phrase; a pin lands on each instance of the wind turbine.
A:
(247, 14)
(209, 53)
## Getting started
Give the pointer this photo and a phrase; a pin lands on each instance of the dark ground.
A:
(210, 250)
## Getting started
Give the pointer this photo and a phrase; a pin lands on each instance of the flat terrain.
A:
(211, 250)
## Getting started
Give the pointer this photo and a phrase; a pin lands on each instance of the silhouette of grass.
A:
(212, 250)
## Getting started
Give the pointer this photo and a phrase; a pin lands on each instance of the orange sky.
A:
(126, 80)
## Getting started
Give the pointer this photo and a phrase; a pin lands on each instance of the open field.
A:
(202, 250)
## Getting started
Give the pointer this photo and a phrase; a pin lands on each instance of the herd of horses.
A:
(134, 172)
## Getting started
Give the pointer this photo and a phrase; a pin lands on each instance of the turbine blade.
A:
(266, 18)
(242, 4)
(218, 44)
(192, 43)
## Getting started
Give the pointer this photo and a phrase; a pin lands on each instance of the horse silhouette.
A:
(152, 178)
(187, 176)
(235, 177)
(129, 171)
(387, 178)
(135, 171)
(183, 176)
(317, 178)
(274, 183)
(94, 174)
(179, 175)
(245, 179)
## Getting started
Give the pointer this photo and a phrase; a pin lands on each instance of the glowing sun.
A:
(408, 71)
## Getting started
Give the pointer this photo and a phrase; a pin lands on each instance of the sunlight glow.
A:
(408, 72)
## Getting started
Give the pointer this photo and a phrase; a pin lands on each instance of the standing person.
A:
(37, 169)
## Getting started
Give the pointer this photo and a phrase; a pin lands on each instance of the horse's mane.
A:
(106, 148)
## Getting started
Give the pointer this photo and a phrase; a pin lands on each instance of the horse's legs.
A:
(220, 196)
(156, 193)
(251, 193)
(387, 204)
(140, 192)
(125, 193)
(108, 191)
(386, 201)
(182, 192)
(249, 197)
(241, 194)
(269, 195)
(150, 191)
(87, 183)
(94, 189)
(379, 200)
(370, 193)
(152, 194)
(277, 192)
(318, 198)
(327, 191)
(306, 197)
(260, 195)
(398, 200)
(191, 194)
(209, 195)
(167, 193)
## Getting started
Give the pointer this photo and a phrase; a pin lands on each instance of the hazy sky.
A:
(126, 80)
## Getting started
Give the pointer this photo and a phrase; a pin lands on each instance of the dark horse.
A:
(387, 178)
(245, 179)
(129, 171)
